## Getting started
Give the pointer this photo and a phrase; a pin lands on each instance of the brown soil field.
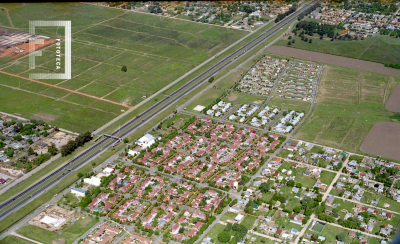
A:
(383, 140)
(393, 104)
(334, 60)
(8, 51)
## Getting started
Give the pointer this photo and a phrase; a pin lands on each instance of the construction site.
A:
(52, 218)
(58, 138)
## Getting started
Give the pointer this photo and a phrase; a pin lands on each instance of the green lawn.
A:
(248, 221)
(14, 240)
(228, 216)
(326, 177)
(284, 104)
(349, 102)
(68, 233)
(377, 49)
(330, 232)
(240, 98)
(213, 233)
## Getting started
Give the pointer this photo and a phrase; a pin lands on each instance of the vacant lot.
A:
(383, 140)
(68, 234)
(380, 49)
(393, 104)
(333, 59)
(349, 102)
(155, 50)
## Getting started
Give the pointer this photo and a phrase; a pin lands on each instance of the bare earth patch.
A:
(393, 104)
(232, 98)
(383, 140)
(333, 59)
(44, 116)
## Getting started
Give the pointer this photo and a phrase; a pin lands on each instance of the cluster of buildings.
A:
(19, 136)
(298, 81)
(105, 233)
(219, 109)
(288, 122)
(355, 21)
(260, 79)
(244, 112)
(264, 117)
(230, 14)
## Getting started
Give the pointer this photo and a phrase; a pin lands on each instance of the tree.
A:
(297, 209)
(224, 236)
(310, 41)
(126, 140)
(10, 152)
(341, 236)
(124, 68)
(290, 183)
(264, 187)
(211, 79)
(307, 202)
(52, 149)
(31, 151)
(289, 43)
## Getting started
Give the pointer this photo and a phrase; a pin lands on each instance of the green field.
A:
(14, 240)
(155, 50)
(349, 102)
(381, 49)
(68, 233)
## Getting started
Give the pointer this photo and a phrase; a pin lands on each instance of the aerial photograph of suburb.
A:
(200, 122)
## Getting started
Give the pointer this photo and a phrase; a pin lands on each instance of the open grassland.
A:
(155, 50)
(68, 234)
(13, 240)
(380, 49)
(349, 102)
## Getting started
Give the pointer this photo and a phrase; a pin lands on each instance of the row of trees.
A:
(308, 11)
(73, 144)
(282, 16)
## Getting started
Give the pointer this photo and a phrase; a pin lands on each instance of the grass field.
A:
(285, 104)
(248, 221)
(326, 177)
(380, 49)
(155, 50)
(14, 240)
(349, 102)
(241, 98)
(68, 234)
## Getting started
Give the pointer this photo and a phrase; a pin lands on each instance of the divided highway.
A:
(17, 201)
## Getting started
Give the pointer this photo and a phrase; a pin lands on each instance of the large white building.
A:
(146, 141)
(78, 192)
(94, 181)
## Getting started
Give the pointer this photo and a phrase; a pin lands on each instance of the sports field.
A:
(156, 51)
(380, 49)
(349, 102)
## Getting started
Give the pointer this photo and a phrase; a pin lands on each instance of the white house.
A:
(94, 181)
(146, 141)
(78, 192)
(239, 218)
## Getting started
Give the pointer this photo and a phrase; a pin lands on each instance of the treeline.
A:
(282, 16)
(311, 27)
(308, 11)
(387, 32)
(394, 66)
(74, 144)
